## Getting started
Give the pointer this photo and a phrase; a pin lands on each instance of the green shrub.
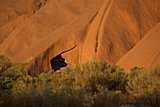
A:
(9, 74)
(99, 75)
(146, 82)
(110, 99)
(92, 84)
(46, 97)
(134, 71)
(145, 86)
(4, 64)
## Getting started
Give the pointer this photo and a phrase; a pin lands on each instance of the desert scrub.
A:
(146, 81)
(92, 84)
(93, 76)
(9, 74)
(145, 86)
(111, 99)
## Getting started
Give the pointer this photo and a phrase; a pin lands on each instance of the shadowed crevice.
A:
(58, 62)
(39, 4)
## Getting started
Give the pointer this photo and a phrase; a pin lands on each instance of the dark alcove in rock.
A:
(58, 62)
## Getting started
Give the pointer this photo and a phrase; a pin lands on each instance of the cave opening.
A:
(58, 62)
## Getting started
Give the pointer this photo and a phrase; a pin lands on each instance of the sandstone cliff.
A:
(77, 30)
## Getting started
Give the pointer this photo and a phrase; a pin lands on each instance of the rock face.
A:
(145, 53)
(77, 30)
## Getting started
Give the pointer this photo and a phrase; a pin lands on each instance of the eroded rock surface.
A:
(78, 30)
(145, 53)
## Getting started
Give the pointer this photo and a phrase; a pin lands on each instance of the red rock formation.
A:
(79, 30)
(145, 53)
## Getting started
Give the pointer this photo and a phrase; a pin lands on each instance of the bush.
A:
(94, 76)
(46, 97)
(9, 73)
(147, 81)
(43, 90)
(92, 84)
(145, 86)
(109, 99)
(79, 84)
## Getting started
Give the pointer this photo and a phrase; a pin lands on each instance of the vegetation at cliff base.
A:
(94, 84)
